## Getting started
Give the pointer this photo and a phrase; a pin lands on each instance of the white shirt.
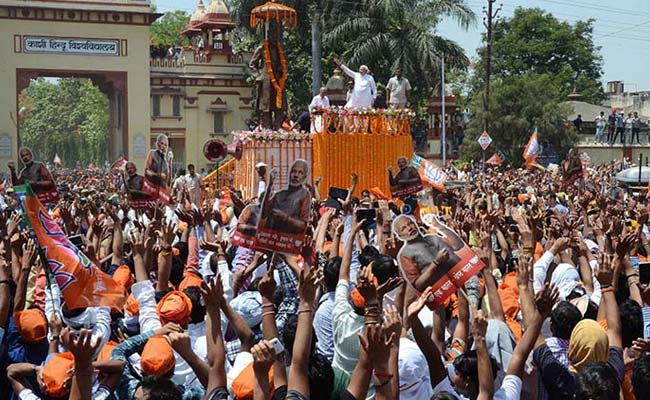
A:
(600, 120)
(319, 102)
(397, 89)
(510, 388)
(365, 89)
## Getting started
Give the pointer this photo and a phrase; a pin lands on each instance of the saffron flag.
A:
(430, 173)
(120, 163)
(494, 160)
(81, 282)
(532, 150)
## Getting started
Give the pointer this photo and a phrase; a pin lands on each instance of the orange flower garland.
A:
(278, 86)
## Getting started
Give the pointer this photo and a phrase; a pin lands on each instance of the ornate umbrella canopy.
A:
(270, 11)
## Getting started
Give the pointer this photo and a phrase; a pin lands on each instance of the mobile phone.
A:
(338, 193)
(369, 214)
(644, 273)
(375, 204)
(333, 203)
(77, 241)
(277, 345)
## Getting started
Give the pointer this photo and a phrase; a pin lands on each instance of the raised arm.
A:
(212, 294)
(83, 349)
(608, 300)
(437, 370)
(298, 374)
(485, 381)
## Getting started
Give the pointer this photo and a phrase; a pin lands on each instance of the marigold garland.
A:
(278, 86)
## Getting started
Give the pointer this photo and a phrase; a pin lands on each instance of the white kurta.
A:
(365, 89)
(318, 103)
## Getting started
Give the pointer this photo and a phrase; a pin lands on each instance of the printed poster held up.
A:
(438, 258)
(284, 214)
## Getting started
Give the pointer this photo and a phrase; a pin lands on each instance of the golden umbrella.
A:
(273, 11)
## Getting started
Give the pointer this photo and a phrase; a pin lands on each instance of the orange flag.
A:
(494, 160)
(532, 150)
(81, 282)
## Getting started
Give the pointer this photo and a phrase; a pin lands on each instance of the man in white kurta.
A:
(318, 103)
(365, 89)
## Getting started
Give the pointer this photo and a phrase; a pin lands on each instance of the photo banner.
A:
(439, 259)
(285, 214)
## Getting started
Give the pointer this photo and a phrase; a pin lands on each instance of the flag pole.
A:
(444, 116)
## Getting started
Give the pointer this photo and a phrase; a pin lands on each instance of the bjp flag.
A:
(81, 282)
(532, 150)
(496, 159)
(430, 173)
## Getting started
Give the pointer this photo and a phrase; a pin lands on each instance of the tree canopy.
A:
(69, 117)
(166, 31)
(519, 105)
(534, 41)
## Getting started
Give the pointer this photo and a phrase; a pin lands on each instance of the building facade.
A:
(192, 95)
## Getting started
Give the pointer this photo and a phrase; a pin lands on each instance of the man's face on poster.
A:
(298, 174)
(402, 163)
(407, 229)
(26, 156)
(162, 145)
(130, 169)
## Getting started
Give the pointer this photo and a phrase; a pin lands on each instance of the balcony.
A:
(167, 64)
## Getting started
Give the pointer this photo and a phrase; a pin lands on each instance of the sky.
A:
(621, 29)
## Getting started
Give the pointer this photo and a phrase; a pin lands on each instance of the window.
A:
(218, 122)
(176, 112)
(156, 105)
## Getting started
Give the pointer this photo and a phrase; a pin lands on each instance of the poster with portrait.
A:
(437, 258)
(153, 186)
(140, 192)
(406, 181)
(244, 233)
(284, 214)
(36, 174)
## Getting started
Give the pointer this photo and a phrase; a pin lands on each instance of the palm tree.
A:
(386, 34)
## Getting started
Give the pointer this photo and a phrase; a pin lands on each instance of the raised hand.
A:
(263, 357)
(169, 328)
(212, 294)
(415, 307)
(366, 285)
(376, 344)
(180, 341)
(605, 271)
(81, 347)
(546, 298)
(29, 254)
(524, 271)
(267, 284)
(393, 323)
(386, 287)
(479, 325)
(309, 281)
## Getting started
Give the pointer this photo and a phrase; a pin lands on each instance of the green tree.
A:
(385, 34)
(69, 118)
(519, 105)
(533, 40)
(166, 30)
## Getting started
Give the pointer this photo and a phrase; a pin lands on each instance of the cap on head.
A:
(55, 374)
(157, 357)
(249, 306)
(175, 307)
(31, 325)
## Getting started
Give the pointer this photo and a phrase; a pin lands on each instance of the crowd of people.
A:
(561, 309)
